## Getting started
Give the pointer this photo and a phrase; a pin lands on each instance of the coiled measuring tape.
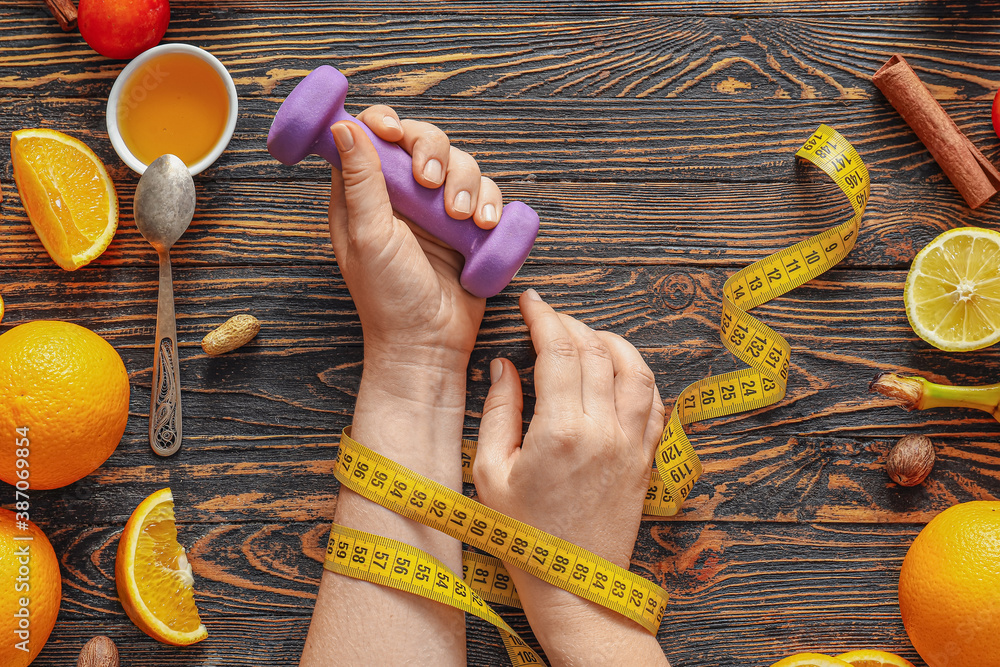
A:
(391, 563)
(760, 347)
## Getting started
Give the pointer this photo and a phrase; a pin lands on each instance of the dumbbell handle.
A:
(492, 256)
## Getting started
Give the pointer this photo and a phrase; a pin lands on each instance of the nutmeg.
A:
(98, 652)
(911, 460)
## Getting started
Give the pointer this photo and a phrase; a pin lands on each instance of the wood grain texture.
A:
(305, 306)
(624, 51)
(264, 575)
(673, 226)
(262, 427)
(656, 140)
(578, 140)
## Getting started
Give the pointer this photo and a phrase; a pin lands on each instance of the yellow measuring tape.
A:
(381, 480)
(397, 565)
(541, 554)
(755, 343)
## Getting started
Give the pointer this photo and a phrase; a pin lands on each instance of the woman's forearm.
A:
(412, 413)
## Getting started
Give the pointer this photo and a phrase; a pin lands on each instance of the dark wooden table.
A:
(656, 140)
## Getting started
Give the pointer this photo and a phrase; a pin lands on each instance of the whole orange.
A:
(949, 587)
(64, 392)
(32, 590)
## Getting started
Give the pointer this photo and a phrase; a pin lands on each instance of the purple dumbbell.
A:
(302, 127)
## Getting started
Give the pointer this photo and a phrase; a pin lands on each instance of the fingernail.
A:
(532, 295)
(391, 122)
(433, 171)
(490, 213)
(342, 137)
(496, 370)
(463, 202)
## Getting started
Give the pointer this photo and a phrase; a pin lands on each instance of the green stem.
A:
(917, 393)
(984, 398)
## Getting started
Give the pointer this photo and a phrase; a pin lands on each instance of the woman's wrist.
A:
(413, 412)
(573, 630)
(439, 357)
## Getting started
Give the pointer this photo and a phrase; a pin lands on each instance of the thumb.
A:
(499, 430)
(364, 215)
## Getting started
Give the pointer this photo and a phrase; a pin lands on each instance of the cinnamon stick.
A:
(64, 11)
(974, 176)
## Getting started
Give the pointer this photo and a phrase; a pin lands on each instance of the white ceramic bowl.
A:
(116, 91)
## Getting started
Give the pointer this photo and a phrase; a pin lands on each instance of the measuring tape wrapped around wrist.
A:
(538, 553)
(393, 564)
(759, 346)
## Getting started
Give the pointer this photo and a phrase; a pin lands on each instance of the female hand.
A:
(404, 282)
(581, 473)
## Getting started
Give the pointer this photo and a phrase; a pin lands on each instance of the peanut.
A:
(235, 332)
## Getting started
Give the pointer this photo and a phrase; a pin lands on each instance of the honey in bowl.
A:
(174, 103)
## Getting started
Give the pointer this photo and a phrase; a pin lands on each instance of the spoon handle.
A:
(165, 401)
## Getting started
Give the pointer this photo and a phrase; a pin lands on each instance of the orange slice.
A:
(1, 309)
(810, 660)
(154, 578)
(873, 658)
(67, 194)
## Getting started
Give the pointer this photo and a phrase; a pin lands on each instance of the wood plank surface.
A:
(656, 140)
(680, 225)
(579, 140)
(630, 50)
(264, 575)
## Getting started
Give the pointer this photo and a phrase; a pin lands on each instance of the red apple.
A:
(123, 28)
(996, 113)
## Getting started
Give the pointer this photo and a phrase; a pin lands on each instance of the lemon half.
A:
(952, 293)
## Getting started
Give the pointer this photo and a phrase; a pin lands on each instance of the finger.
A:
(654, 427)
(597, 371)
(383, 121)
(635, 388)
(499, 429)
(461, 185)
(557, 369)
(490, 205)
(338, 211)
(369, 214)
(430, 149)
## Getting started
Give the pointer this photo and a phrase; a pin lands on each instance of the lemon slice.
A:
(952, 293)
(810, 660)
(873, 658)
(67, 194)
(154, 578)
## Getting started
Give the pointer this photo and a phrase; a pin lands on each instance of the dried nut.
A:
(911, 460)
(98, 652)
(235, 332)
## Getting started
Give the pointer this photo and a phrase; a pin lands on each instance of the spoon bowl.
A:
(164, 202)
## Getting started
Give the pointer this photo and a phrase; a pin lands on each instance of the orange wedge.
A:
(873, 658)
(810, 660)
(154, 578)
(67, 194)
